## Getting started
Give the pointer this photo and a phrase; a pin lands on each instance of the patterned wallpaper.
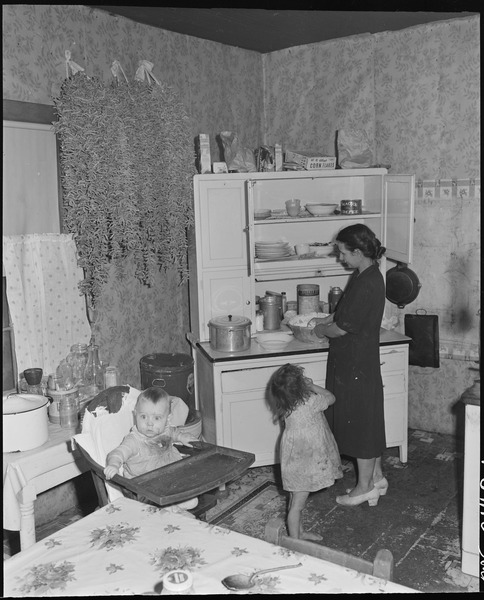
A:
(220, 86)
(313, 90)
(416, 92)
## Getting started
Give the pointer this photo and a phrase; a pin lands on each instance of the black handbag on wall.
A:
(424, 345)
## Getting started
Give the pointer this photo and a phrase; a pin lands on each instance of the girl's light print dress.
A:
(310, 458)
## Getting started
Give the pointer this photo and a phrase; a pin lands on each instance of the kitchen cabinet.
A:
(231, 392)
(226, 275)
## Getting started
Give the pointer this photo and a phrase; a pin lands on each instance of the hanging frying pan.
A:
(402, 285)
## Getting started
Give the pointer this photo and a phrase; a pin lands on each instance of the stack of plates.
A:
(262, 213)
(268, 250)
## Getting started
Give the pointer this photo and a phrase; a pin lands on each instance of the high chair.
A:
(203, 468)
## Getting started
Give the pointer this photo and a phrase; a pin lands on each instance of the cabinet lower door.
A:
(395, 407)
(248, 425)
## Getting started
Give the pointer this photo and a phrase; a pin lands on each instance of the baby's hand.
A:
(110, 471)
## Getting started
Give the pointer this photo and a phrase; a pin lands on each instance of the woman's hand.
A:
(321, 320)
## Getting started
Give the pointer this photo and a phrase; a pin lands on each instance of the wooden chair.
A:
(381, 567)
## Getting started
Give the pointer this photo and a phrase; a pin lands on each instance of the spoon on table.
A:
(244, 582)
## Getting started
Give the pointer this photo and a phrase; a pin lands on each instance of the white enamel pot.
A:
(25, 422)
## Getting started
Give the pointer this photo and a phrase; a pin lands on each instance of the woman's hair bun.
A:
(380, 252)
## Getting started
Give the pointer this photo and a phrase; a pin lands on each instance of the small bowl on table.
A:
(275, 341)
(320, 209)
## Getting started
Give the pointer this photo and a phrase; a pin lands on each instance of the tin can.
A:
(351, 207)
(335, 294)
(57, 397)
(307, 298)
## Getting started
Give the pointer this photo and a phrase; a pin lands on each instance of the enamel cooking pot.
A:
(402, 285)
(229, 333)
(25, 422)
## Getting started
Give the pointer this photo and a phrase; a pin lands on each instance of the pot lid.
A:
(230, 322)
(22, 403)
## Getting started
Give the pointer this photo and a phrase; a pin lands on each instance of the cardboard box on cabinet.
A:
(311, 161)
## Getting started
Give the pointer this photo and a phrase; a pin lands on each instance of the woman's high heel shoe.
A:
(371, 497)
(381, 486)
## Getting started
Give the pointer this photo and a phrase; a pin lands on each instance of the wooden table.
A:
(27, 474)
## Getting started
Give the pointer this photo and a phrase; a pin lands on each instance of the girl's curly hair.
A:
(288, 388)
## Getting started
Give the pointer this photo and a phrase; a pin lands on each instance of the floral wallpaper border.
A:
(448, 188)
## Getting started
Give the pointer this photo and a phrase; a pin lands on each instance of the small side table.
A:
(27, 474)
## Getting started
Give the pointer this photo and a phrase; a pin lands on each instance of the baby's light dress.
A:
(310, 458)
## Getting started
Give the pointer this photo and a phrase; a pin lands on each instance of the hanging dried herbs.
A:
(127, 162)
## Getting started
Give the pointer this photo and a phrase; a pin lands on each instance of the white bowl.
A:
(322, 250)
(274, 341)
(321, 210)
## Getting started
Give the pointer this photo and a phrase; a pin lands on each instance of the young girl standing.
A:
(309, 455)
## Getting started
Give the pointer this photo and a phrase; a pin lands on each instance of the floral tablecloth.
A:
(126, 547)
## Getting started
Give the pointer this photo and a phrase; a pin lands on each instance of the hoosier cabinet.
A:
(226, 277)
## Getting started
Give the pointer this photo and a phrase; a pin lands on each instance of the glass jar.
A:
(77, 359)
(69, 410)
(110, 377)
(93, 373)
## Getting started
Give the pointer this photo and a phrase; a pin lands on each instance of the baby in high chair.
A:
(149, 444)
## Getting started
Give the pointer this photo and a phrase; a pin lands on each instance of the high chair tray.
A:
(205, 468)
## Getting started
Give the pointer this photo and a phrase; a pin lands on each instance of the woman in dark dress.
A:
(353, 372)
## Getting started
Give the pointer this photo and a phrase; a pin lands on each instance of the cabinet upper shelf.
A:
(306, 217)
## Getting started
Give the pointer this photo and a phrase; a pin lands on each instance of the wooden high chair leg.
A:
(205, 503)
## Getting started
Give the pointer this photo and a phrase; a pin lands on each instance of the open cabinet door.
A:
(399, 217)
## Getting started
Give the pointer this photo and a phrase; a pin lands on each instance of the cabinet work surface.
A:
(294, 347)
(231, 392)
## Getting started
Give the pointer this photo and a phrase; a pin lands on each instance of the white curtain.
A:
(47, 311)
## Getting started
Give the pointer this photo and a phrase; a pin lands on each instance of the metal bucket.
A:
(174, 373)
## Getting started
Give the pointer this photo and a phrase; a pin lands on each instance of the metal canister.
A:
(307, 298)
(281, 299)
(335, 294)
(271, 310)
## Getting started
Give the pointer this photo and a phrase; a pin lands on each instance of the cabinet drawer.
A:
(258, 378)
(393, 383)
(392, 360)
